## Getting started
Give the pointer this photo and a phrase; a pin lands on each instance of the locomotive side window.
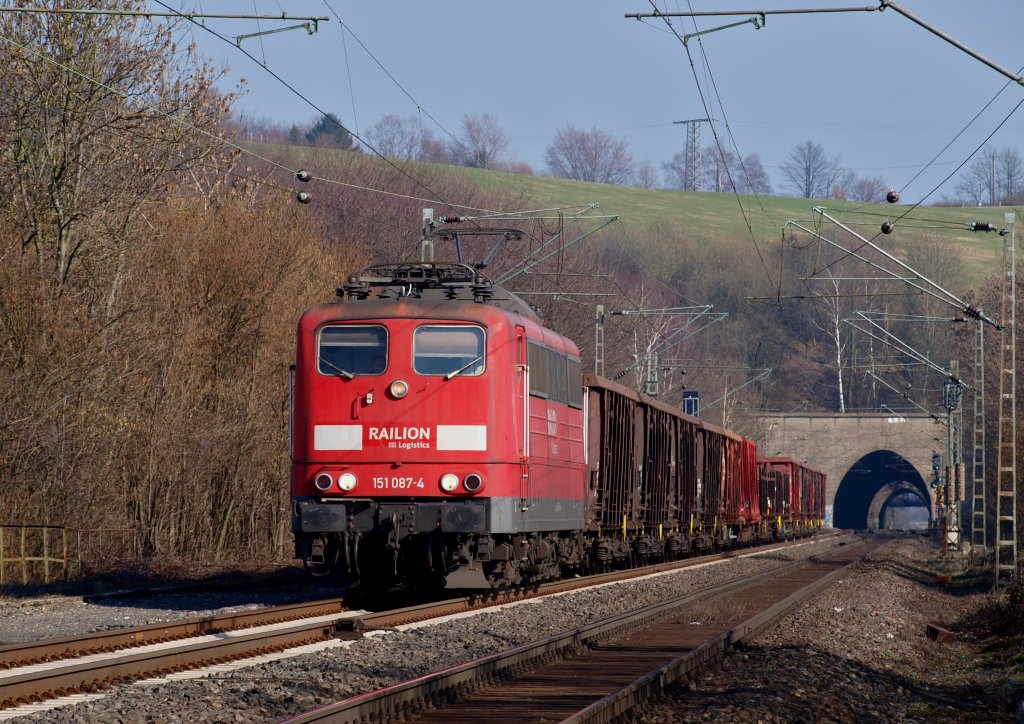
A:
(537, 358)
(448, 350)
(352, 350)
(558, 376)
(555, 375)
(575, 383)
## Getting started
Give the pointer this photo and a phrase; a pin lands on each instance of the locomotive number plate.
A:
(386, 483)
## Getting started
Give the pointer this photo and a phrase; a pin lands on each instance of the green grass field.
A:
(725, 217)
(720, 215)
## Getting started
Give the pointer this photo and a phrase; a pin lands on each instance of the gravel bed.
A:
(856, 652)
(48, 617)
(269, 692)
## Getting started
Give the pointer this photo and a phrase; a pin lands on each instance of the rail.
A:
(429, 698)
(41, 670)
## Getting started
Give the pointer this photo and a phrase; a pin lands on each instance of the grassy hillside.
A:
(720, 215)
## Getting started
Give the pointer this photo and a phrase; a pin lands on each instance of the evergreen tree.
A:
(330, 132)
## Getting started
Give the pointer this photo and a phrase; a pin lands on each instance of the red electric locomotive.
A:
(443, 437)
(437, 433)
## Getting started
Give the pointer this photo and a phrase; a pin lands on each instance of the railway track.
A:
(597, 672)
(43, 670)
(158, 651)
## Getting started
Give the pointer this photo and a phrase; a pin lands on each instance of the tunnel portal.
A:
(882, 490)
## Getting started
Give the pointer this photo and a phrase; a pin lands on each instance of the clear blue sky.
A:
(875, 89)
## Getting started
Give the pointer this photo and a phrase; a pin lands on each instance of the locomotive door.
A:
(522, 417)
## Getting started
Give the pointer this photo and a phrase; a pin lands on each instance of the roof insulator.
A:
(893, 196)
(356, 288)
(303, 175)
(887, 227)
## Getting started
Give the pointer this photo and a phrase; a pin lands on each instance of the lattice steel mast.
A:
(1006, 562)
(979, 524)
(692, 177)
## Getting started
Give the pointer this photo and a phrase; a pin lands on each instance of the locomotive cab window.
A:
(352, 350)
(448, 350)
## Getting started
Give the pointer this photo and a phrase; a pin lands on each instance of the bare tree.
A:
(646, 176)
(719, 169)
(752, 178)
(96, 112)
(520, 167)
(978, 184)
(724, 171)
(258, 129)
(589, 156)
(482, 143)
(993, 177)
(647, 337)
(396, 137)
(867, 188)
(831, 324)
(434, 150)
(1010, 173)
(675, 171)
(810, 173)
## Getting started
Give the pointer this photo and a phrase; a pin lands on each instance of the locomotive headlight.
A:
(449, 482)
(399, 389)
(472, 483)
(346, 481)
(323, 481)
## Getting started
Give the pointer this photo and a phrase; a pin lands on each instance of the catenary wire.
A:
(226, 141)
(951, 141)
(348, 72)
(936, 188)
(315, 107)
(419, 108)
(707, 110)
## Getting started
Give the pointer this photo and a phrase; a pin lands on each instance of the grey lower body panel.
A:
(485, 515)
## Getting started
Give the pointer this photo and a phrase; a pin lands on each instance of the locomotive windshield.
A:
(448, 350)
(352, 350)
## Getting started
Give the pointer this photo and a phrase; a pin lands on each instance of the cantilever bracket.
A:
(757, 23)
(310, 27)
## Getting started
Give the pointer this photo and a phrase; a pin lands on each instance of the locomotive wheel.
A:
(319, 570)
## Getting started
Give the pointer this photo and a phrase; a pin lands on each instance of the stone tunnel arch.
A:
(872, 484)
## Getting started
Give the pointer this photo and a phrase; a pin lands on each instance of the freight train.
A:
(443, 437)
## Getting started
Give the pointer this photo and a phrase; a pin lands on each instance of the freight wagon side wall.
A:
(796, 488)
(750, 503)
(645, 461)
(613, 468)
(658, 499)
(731, 486)
(688, 468)
(816, 508)
(786, 486)
(709, 488)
